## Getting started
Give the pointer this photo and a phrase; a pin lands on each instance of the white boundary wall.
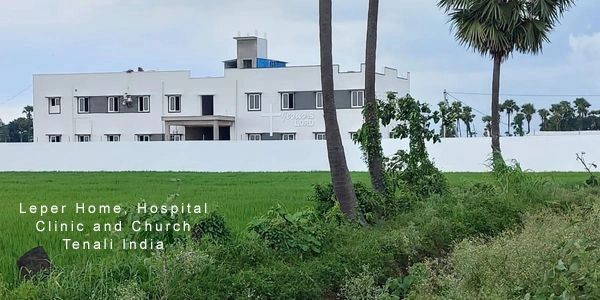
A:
(537, 153)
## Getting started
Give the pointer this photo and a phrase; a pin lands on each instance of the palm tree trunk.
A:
(509, 122)
(495, 130)
(528, 126)
(374, 149)
(340, 176)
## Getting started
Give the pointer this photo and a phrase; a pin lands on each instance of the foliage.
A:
(131, 214)
(299, 233)
(372, 206)
(412, 168)
(554, 252)
(518, 124)
(592, 181)
(395, 258)
(213, 227)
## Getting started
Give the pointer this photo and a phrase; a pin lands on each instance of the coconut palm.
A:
(488, 123)
(499, 28)
(467, 117)
(28, 112)
(340, 176)
(528, 110)
(544, 114)
(374, 153)
(510, 107)
(518, 124)
(581, 105)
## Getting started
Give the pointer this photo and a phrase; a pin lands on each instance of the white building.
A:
(256, 99)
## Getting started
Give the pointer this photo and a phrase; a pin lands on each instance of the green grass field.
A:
(238, 196)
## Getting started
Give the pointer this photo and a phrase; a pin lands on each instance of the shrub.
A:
(299, 233)
(372, 206)
(552, 255)
(211, 226)
(131, 214)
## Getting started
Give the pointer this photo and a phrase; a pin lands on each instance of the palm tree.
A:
(374, 151)
(528, 110)
(340, 176)
(499, 28)
(581, 105)
(509, 106)
(544, 114)
(467, 116)
(488, 123)
(455, 112)
(518, 124)
(28, 111)
(558, 113)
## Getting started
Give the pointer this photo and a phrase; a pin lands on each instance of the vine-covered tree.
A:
(371, 134)
(499, 28)
(487, 120)
(467, 117)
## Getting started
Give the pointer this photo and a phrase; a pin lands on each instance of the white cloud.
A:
(587, 45)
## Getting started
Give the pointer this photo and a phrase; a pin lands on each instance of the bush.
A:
(130, 214)
(300, 233)
(552, 255)
(213, 227)
(372, 206)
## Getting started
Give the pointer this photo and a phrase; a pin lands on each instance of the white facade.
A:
(106, 106)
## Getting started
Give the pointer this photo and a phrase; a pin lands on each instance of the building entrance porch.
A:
(201, 128)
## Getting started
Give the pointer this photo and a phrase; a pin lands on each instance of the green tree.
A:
(340, 176)
(371, 134)
(518, 124)
(499, 28)
(447, 120)
(20, 130)
(509, 106)
(467, 117)
(582, 106)
(456, 109)
(28, 112)
(544, 114)
(528, 110)
(487, 120)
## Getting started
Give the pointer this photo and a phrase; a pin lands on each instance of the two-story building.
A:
(257, 99)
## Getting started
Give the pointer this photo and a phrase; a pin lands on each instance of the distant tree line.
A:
(18, 130)
(561, 116)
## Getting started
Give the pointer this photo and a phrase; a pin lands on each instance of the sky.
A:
(70, 36)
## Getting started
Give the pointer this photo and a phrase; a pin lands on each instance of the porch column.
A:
(215, 130)
(167, 131)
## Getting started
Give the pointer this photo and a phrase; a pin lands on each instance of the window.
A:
(287, 100)
(288, 136)
(55, 138)
(113, 104)
(143, 138)
(144, 104)
(320, 136)
(83, 138)
(353, 135)
(113, 137)
(83, 105)
(358, 98)
(254, 137)
(254, 102)
(174, 104)
(176, 137)
(54, 105)
(319, 100)
(247, 63)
